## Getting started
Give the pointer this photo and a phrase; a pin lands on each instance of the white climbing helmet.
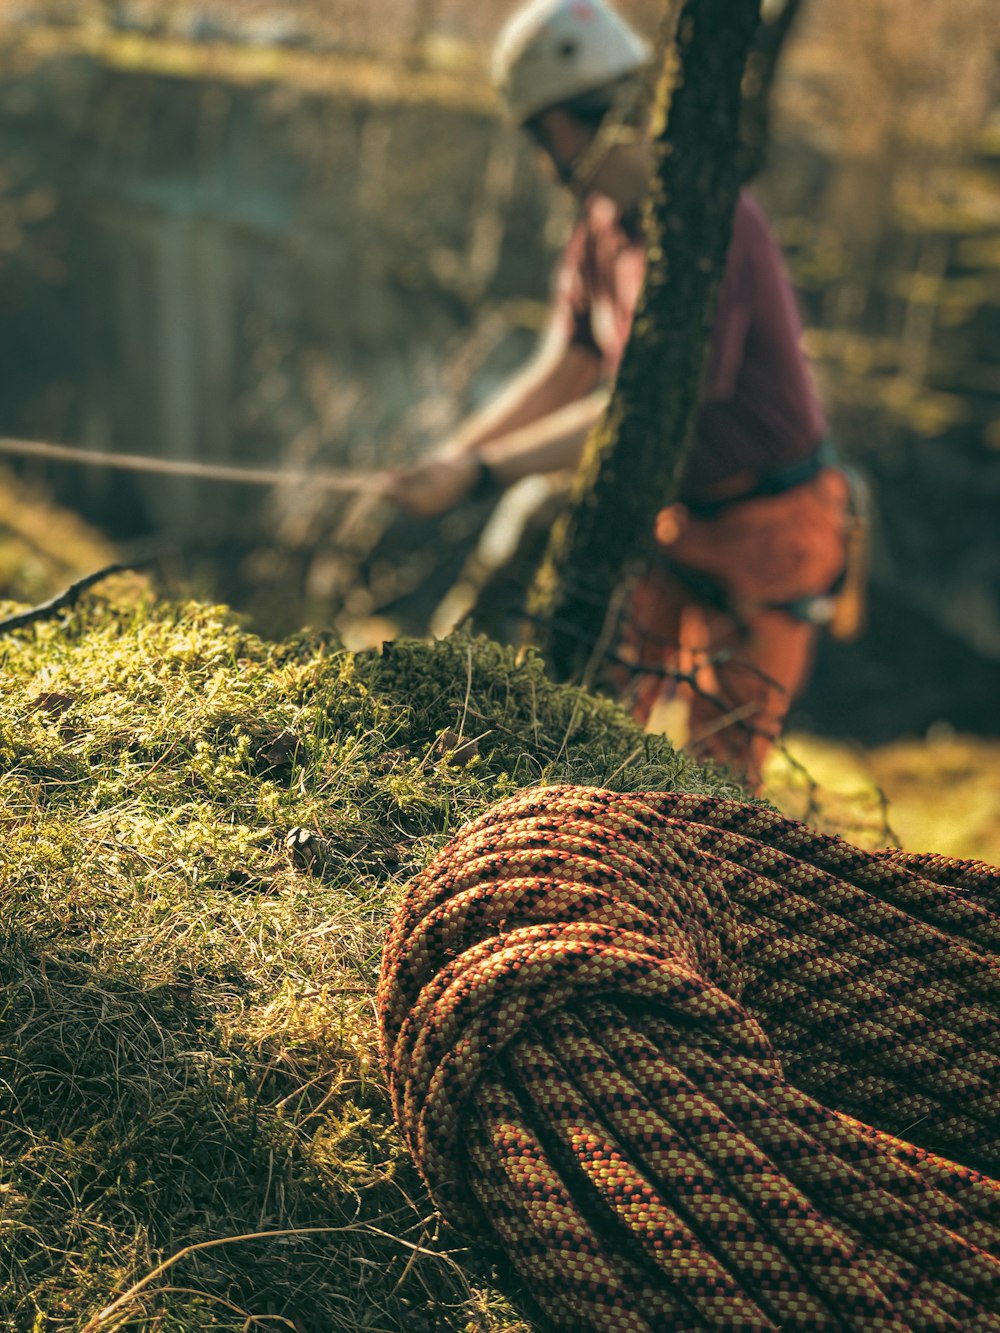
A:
(550, 51)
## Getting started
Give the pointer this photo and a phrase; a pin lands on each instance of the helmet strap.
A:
(618, 127)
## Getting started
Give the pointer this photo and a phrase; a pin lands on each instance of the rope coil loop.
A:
(656, 1048)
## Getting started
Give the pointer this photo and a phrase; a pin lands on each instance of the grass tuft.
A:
(187, 1049)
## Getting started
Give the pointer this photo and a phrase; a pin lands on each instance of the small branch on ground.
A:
(67, 598)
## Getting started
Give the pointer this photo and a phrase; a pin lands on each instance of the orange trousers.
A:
(735, 660)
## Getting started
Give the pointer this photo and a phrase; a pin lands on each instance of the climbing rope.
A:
(694, 1065)
(324, 479)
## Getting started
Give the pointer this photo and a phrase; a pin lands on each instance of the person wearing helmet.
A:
(744, 561)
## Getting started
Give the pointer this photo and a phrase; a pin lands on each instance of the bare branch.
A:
(755, 119)
(67, 598)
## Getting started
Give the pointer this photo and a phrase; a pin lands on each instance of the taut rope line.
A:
(326, 479)
(694, 1065)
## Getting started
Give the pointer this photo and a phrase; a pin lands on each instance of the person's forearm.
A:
(546, 386)
(552, 444)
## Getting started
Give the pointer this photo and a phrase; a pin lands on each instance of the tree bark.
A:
(634, 459)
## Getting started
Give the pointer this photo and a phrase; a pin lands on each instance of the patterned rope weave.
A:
(656, 1047)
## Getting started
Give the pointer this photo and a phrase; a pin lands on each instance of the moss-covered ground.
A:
(187, 1051)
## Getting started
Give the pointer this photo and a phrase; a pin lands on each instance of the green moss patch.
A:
(187, 1050)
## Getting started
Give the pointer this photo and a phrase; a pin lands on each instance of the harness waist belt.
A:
(772, 482)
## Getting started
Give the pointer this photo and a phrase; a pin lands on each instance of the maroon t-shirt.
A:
(759, 406)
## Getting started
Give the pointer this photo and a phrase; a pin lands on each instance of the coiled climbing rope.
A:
(694, 1065)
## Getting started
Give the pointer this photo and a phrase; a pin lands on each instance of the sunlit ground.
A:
(937, 794)
(941, 794)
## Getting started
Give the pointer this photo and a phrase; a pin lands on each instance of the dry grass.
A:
(933, 795)
(186, 1039)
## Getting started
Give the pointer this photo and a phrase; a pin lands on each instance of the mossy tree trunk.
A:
(634, 459)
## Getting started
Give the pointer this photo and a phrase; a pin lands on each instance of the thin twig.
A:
(99, 1320)
(67, 598)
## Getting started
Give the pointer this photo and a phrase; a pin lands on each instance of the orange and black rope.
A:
(694, 1065)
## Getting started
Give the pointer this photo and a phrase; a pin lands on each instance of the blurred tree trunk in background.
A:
(633, 461)
(755, 117)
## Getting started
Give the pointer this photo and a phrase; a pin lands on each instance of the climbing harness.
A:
(694, 1065)
(841, 608)
(772, 481)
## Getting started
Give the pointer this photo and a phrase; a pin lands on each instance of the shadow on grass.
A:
(133, 1127)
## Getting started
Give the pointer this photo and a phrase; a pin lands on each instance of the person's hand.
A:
(433, 485)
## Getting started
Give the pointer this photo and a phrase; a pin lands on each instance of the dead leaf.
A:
(279, 751)
(456, 750)
(53, 702)
(245, 880)
(308, 850)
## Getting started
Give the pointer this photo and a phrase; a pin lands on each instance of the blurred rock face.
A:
(251, 272)
(220, 239)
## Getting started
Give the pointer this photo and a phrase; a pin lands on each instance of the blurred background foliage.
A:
(300, 233)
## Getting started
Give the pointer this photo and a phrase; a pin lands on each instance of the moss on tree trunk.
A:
(633, 461)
